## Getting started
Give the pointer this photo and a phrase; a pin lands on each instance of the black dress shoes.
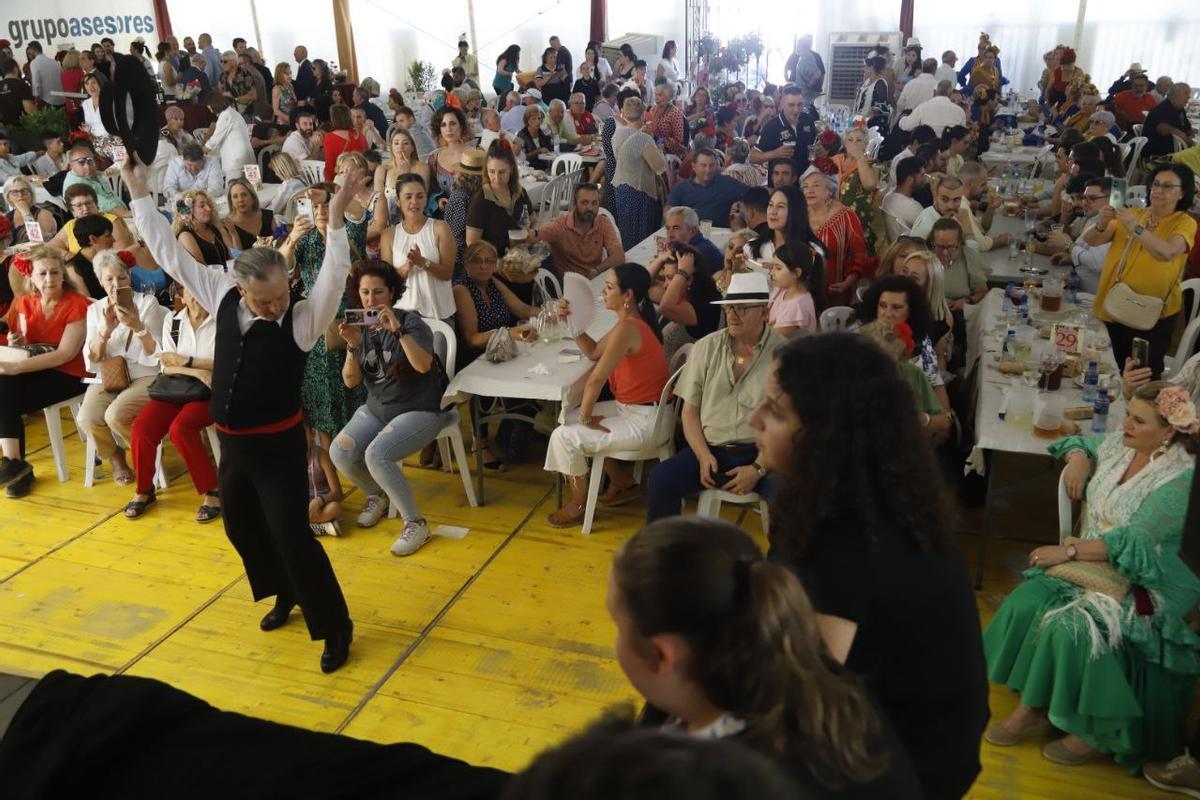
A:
(277, 617)
(337, 648)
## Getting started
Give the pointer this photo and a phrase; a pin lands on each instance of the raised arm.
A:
(312, 316)
(207, 285)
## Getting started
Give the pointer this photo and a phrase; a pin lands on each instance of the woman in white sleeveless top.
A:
(422, 251)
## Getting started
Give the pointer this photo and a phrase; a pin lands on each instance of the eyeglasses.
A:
(1164, 186)
(487, 262)
(20, 191)
(741, 311)
(86, 204)
(1091, 198)
(945, 248)
(84, 160)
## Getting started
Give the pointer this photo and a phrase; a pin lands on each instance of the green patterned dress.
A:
(1121, 681)
(859, 200)
(328, 404)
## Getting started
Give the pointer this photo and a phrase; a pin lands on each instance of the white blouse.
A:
(195, 342)
(91, 118)
(121, 343)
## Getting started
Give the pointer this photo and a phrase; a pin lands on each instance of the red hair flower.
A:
(127, 258)
(22, 264)
(904, 334)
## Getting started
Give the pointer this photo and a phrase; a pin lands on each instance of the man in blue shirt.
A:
(788, 135)
(684, 226)
(708, 192)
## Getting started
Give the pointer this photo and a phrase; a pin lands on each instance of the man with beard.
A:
(581, 240)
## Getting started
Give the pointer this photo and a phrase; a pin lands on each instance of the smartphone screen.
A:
(356, 316)
(1116, 197)
(125, 299)
(1141, 352)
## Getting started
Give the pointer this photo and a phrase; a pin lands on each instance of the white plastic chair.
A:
(673, 165)
(115, 184)
(661, 447)
(313, 171)
(1136, 128)
(680, 357)
(264, 156)
(1135, 156)
(556, 197)
(1136, 196)
(604, 212)
(710, 500)
(446, 346)
(565, 164)
(1187, 346)
(53, 416)
(1192, 285)
(547, 280)
(836, 318)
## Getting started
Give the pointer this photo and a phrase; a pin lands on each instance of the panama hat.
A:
(746, 288)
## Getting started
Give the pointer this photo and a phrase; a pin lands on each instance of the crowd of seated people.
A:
(890, 216)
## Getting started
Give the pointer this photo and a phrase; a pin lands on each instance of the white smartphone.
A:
(304, 208)
(362, 316)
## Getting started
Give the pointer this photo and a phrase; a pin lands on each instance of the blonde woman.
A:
(294, 184)
(283, 95)
(199, 229)
(19, 194)
(934, 355)
(112, 330)
(405, 161)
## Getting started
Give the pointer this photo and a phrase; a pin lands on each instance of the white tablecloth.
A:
(643, 251)
(992, 433)
(1002, 269)
(998, 155)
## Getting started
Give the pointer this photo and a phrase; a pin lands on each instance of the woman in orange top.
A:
(342, 139)
(630, 357)
(53, 315)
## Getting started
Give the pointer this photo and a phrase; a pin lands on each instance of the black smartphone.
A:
(1141, 352)
(720, 478)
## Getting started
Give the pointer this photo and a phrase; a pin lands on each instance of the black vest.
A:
(256, 378)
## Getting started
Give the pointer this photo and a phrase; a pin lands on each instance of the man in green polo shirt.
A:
(721, 384)
(82, 161)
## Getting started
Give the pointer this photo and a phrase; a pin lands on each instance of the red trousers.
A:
(185, 424)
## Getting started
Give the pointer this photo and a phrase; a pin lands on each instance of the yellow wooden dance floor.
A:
(488, 648)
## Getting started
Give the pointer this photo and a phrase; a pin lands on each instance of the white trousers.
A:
(571, 444)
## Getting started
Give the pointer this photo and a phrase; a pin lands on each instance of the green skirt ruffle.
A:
(1119, 702)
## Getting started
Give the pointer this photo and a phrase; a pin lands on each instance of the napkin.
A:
(539, 369)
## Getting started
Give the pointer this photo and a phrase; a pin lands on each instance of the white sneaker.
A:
(412, 539)
(373, 511)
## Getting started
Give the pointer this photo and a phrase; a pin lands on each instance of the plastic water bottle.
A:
(1006, 352)
(1100, 413)
(557, 144)
(1091, 382)
(1007, 307)
(1024, 309)
(1073, 288)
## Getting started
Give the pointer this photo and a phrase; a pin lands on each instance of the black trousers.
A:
(264, 499)
(28, 392)
(1159, 337)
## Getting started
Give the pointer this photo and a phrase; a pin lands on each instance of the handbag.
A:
(1092, 576)
(176, 388)
(500, 347)
(1129, 308)
(114, 370)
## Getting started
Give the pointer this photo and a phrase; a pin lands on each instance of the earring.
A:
(626, 305)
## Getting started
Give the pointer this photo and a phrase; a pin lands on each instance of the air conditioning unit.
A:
(646, 46)
(844, 65)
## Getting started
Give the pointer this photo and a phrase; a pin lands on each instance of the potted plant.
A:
(421, 77)
(28, 130)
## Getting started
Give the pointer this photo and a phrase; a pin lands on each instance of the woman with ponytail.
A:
(860, 516)
(722, 643)
(630, 358)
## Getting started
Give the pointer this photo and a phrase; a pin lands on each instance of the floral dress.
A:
(859, 200)
(328, 404)
(1119, 674)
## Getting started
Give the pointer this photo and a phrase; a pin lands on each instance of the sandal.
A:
(136, 508)
(564, 518)
(618, 497)
(208, 513)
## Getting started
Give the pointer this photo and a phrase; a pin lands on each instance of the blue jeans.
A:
(368, 451)
(674, 480)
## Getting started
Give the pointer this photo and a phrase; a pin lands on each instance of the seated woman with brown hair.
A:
(199, 229)
(53, 315)
(1094, 639)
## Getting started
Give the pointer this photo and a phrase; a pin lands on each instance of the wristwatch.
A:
(1072, 551)
(1138, 230)
(762, 473)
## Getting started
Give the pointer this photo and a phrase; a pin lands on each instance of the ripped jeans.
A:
(368, 451)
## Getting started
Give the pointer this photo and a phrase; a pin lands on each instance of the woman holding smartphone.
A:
(126, 325)
(404, 382)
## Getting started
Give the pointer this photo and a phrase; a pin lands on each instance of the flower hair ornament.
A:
(22, 264)
(1176, 407)
(127, 258)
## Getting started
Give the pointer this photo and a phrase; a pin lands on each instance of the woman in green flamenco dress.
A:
(1094, 639)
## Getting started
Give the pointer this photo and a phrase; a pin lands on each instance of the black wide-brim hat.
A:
(129, 107)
